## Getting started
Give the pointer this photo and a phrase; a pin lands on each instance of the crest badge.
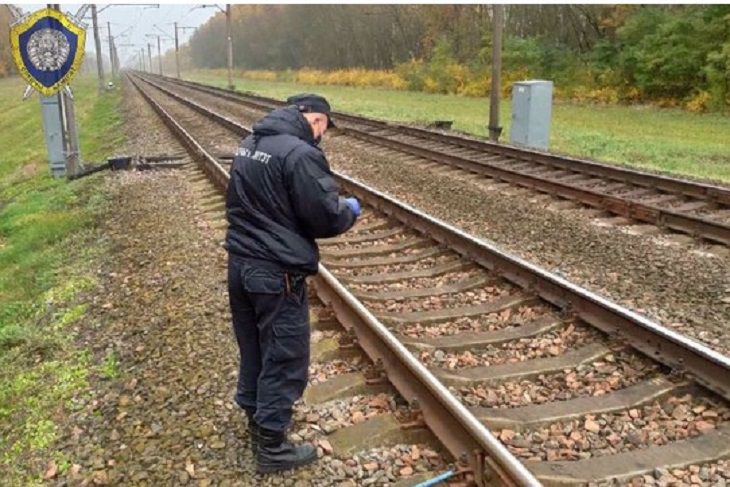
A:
(48, 49)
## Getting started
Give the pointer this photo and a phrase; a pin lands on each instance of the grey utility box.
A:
(53, 128)
(531, 112)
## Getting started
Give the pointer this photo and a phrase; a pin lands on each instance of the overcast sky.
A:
(134, 21)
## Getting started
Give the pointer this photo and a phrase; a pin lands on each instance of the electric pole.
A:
(177, 53)
(497, 20)
(229, 39)
(177, 45)
(230, 46)
(115, 59)
(159, 54)
(97, 43)
(149, 54)
(111, 48)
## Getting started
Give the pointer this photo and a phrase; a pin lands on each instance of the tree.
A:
(6, 60)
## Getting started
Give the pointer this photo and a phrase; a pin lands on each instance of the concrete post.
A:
(97, 43)
(149, 54)
(159, 55)
(177, 54)
(497, 20)
(230, 46)
(111, 49)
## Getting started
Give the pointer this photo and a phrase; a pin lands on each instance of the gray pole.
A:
(54, 129)
(111, 49)
(97, 43)
(230, 46)
(177, 54)
(497, 20)
(149, 54)
(115, 59)
(159, 55)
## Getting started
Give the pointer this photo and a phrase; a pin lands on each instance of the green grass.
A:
(47, 247)
(671, 140)
(110, 367)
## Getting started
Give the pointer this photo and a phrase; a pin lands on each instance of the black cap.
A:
(311, 103)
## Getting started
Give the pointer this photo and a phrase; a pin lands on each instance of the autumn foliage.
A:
(674, 55)
(6, 60)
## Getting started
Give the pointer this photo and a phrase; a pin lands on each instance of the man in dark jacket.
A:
(281, 197)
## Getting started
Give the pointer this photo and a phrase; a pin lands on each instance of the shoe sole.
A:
(264, 469)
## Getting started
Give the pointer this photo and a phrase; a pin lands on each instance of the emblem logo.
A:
(48, 49)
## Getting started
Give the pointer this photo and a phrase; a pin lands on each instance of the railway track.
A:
(520, 374)
(694, 208)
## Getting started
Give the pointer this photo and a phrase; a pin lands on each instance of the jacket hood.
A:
(285, 121)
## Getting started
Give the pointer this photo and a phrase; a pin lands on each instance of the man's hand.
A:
(354, 205)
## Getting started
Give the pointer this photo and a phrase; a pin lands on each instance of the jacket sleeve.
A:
(321, 211)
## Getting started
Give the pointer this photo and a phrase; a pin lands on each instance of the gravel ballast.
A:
(162, 413)
(678, 284)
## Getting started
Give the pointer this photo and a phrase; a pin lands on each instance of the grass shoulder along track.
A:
(659, 139)
(48, 250)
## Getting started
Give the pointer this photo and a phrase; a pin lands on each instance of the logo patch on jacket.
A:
(256, 156)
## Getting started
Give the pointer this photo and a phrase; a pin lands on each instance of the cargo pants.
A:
(271, 325)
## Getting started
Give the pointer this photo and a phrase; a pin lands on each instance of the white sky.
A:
(135, 21)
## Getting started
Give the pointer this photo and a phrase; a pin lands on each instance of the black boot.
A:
(276, 453)
(253, 431)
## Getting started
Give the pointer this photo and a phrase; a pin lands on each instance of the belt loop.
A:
(288, 284)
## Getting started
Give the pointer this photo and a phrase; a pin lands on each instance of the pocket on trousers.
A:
(261, 281)
(291, 341)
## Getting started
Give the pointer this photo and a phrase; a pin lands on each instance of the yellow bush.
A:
(632, 95)
(430, 85)
(458, 75)
(309, 76)
(479, 86)
(454, 78)
(260, 75)
(509, 77)
(560, 93)
(603, 95)
(352, 77)
(699, 103)
(666, 102)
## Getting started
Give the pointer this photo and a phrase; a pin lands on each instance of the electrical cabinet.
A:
(531, 113)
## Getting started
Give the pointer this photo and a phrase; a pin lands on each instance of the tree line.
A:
(626, 52)
(6, 59)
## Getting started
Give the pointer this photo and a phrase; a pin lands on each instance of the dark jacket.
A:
(281, 195)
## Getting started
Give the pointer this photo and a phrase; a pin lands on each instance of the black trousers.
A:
(271, 324)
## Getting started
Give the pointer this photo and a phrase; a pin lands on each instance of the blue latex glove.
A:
(354, 205)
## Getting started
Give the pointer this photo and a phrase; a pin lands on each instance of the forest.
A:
(666, 54)
(6, 59)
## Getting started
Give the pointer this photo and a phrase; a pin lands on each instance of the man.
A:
(281, 196)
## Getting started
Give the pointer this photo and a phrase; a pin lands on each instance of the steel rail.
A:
(452, 423)
(210, 165)
(659, 343)
(692, 225)
(696, 189)
(674, 350)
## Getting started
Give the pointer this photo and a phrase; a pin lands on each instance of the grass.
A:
(47, 248)
(670, 140)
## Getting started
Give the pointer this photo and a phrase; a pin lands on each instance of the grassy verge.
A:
(670, 140)
(47, 250)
